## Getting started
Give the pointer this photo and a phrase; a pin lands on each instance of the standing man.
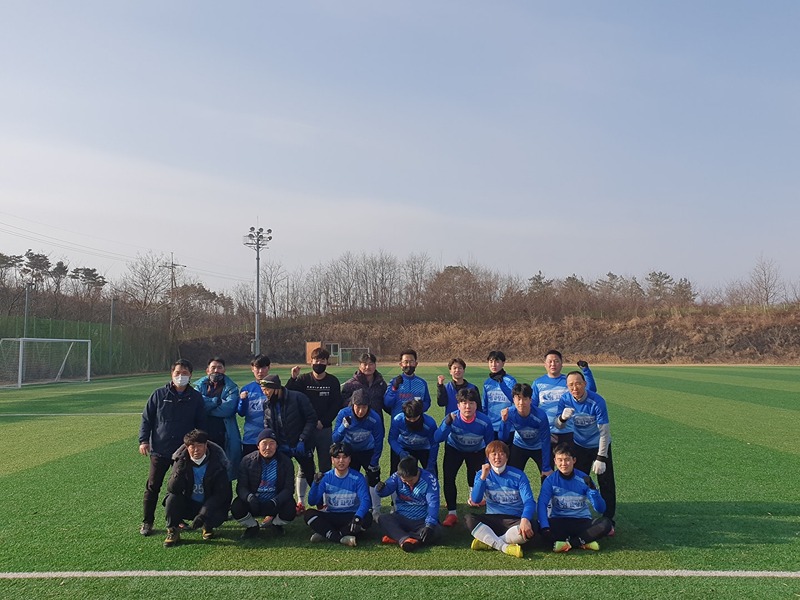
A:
(369, 379)
(550, 387)
(446, 393)
(221, 399)
(406, 386)
(416, 521)
(290, 415)
(412, 433)
(198, 488)
(251, 404)
(587, 414)
(497, 388)
(324, 391)
(531, 429)
(171, 412)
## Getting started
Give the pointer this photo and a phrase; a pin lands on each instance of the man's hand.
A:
(318, 477)
(485, 468)
(440, 379)
(197, 523)
(448, 420)
(567, 413)
(295, 372)
(397, 382)
(504, 414)
(319, 425)
(599, 467)
(300, 449)
(426, 534)
(525, 528)
(243, 395)
(583, 364)
(144, 448)
(355, 526)
(379, 486)
(347, 421)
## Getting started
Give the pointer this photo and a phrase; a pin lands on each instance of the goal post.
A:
(44, 360)
(351, 356)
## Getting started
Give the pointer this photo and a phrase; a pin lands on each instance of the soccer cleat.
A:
(267, 521)
(613, 532)
(300, 508)
(591, 546)
(146, 528)
(208, 533)
(514, 550)
(450, 520)
(348, 540)
(562, 547)
(250, 533)
(277, 530)
(317, 537)
(173, 537)
(479, 545)
(387, 540)
(410, 544)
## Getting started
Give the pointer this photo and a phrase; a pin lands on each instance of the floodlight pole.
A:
(257, 239)
(28, 286)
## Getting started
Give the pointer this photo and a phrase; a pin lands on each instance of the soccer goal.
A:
(42, 360)
(351, 356)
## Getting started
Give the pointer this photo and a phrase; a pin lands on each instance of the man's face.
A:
(552, 365)
(467, 409)
(197, 450)
(457, 371)
(496, 365)
(271, 392)
(565, 463)
(181, 370)
(498, 459)
(341, 462)
(267, 447)
(523, 405)
(259, 372)
(367, 368)
(410, 481)
(215, 367)
(576, 386)
(360, 410)
(408, 360)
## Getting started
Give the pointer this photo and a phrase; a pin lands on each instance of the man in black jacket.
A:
(264, 487)
(290, 415)
(198, 488)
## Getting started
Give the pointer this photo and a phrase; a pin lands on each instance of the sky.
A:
(568, 137)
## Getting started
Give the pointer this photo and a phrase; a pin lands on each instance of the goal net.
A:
(40, 360)
(351, 356)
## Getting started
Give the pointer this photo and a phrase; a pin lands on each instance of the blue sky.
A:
(567, 137)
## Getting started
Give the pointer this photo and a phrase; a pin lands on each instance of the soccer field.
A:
(705, 457)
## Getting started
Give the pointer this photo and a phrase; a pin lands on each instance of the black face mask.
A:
(415, 425)
(319, 369)
(409, 371)
(216, 377)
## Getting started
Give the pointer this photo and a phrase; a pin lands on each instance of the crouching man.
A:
(346, 496)
(264, 488)
(415, 521)
(198, 488)
(510, 505)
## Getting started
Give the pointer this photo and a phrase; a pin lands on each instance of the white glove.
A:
(567, 413)
(598, 467)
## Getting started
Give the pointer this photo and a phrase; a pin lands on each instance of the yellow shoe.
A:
(514, 550)
(591, 546)
(479, 545)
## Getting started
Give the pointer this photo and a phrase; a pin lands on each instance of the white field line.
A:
(406, 573)
(87, 414)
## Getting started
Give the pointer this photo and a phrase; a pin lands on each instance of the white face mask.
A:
(180, 380)
(197, 461)
(499, 470)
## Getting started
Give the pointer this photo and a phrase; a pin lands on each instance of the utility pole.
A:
(173, 283)
(257, 239)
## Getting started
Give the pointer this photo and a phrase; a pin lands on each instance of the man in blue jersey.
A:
(466, 433)
(510, 505)
(251, 404)
(406, 386)
(221, 400)
(586, 413)
(446, 392)
(497, 388)
(346, 497)
(563, 509)
(412, 434)
(415, 521)
(548, 389)
(362, 429)
(264, 488)
(198, 488)
(530, 429)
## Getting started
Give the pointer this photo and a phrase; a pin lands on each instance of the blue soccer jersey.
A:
(402, 439)
(590, 413)
(497, 396)
(567, 497)
(464, 436)
(547, 391)
(506, 493)
(362, 434)
(342, 494)
(412, 387)
(417, 503)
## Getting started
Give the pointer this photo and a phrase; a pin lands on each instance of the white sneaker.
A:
(317, 537)
(348, 540)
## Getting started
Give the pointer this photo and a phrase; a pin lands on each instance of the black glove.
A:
(545, 532)
(379, 486)
(347, 421)
(583, 364)
(318, 477)
(355, 526)
(197, 523)
(426, 534)
(588, 481)
(448, 420)
(397, 382)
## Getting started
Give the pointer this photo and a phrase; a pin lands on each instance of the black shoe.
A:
(173, 537)
(250, 533)
(146, 528)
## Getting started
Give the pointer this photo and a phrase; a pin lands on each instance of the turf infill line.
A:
(406, 573)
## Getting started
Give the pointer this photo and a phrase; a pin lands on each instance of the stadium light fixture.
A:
(257, 239)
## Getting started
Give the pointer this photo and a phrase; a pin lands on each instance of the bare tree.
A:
(766, 285)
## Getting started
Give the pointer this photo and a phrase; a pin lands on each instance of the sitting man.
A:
(564, 516)
(415, 521)
(198, 488)
(510, 505)
(347, 500)
(264, 487)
